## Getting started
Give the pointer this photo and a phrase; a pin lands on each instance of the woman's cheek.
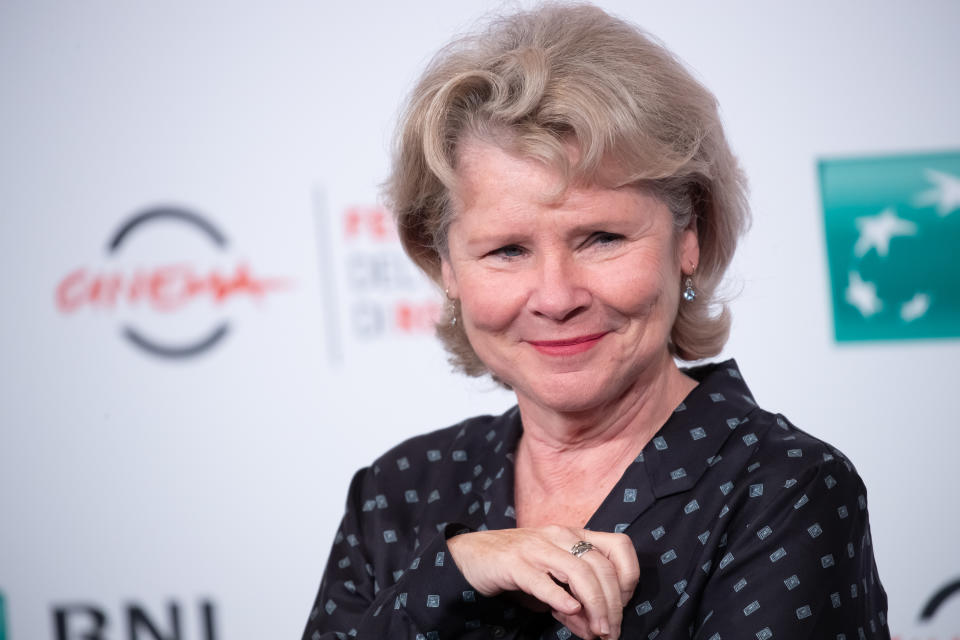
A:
(492, 304)
(633, 287)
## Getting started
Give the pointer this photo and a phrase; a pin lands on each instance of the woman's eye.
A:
(604, 238)
(509, 251)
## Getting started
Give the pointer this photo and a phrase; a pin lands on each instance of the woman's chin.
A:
(567, 393)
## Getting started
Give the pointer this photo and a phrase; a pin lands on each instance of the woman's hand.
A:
(587, 594)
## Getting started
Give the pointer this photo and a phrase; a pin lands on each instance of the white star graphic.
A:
(862, 295)
(877, 231)
(915, 307)
(945, 193)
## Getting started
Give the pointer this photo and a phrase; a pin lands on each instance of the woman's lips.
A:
(567, 347)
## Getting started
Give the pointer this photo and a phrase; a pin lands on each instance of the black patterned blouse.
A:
(745, 527)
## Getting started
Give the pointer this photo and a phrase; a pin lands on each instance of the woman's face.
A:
(568, 301)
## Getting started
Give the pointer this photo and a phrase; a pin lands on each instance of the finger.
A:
(577, 623)
(542, 587)
(607, 575)
(619, 549)
(586, 587)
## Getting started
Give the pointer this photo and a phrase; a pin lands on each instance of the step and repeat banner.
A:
(208, 323)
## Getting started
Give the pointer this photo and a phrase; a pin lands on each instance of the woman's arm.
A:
(428, 598)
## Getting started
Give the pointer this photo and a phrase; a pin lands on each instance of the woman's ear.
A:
(689, 250)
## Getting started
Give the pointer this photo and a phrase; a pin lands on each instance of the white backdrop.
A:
(128, 480)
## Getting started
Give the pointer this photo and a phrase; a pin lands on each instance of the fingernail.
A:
(604, 628)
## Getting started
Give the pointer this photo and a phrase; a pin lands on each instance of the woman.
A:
(568, 184)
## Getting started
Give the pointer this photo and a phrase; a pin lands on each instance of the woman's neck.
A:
(582, 456)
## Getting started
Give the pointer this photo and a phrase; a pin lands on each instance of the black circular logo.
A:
(151, 344)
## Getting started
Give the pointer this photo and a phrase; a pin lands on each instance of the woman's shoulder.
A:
(771, 442)
(787, 474)
(783, 446)
(762, 451)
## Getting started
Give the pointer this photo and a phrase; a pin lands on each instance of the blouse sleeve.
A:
(802, 568)
(429, 599)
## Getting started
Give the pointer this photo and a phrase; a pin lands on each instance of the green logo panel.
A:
(3, 619)
(893, 238)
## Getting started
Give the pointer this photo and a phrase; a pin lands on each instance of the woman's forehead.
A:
(487, 169)
(561, 162)
(519, 197)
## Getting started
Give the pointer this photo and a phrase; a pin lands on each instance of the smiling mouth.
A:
(567, 347)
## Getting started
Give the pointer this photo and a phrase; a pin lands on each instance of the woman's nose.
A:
(559, 292)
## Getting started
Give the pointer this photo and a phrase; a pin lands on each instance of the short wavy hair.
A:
(536, 82)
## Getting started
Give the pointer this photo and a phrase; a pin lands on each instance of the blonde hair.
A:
(537, 81)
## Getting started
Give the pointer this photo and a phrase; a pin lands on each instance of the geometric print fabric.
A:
(744, 525)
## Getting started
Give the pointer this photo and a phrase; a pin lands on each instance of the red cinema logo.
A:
(164, 288)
